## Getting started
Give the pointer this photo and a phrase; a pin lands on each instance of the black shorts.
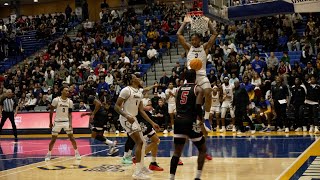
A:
(99, 122)
(149, 132)
(187, 128)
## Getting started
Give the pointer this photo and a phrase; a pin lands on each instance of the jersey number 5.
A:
(184, 97)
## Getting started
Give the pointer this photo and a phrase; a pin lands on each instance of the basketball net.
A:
(199, 22)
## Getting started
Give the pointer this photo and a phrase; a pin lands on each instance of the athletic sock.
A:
(173, 165)
(206, 115)
(154, 159)
(110, 143)
(198, 175)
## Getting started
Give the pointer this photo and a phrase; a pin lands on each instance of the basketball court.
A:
(263, 156)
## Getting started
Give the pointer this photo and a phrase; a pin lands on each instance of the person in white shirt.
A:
(31, 102)
(128, 105)
(152, 55)
(123, 58)
(227, 90)
(109, 78)
(171, 93)
(92, 75)
(62, 120)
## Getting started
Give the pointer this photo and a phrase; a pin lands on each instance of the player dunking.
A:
(130, 99)
(196, 50)
(62, 120)
(189, 102)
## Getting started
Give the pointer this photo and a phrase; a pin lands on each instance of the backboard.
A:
(216, 9)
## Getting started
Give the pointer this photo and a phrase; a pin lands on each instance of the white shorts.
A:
(172, 108)
(61, 125)
(215, 110)
(130, 128)
(203, 81)
(224, 107)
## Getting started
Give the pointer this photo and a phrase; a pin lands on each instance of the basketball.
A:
(196, 64)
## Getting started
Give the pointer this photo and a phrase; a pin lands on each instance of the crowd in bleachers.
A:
(101, 55)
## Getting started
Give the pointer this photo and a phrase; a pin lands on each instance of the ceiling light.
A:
(6, 4)
(35, 1)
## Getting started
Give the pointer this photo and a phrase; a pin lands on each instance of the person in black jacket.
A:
(240, 103)
(297, 100)
(280, 97)
(161, 115)
(312, 103)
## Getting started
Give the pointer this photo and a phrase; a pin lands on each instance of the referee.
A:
(9, 109)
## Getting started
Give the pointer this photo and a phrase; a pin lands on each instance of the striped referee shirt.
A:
(8, 104)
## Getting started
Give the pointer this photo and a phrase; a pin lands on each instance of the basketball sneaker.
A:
(165, 131)
(127, 160)
(299, 129)
(311, 129)
(223, 129)
(234, 129)
(48, 157)
(140, 175)
(180, 163)
(286, 130)
(155, 167)
(113, 149)
(316, 130)
(304, 128)
(207, 125)
(208, 157)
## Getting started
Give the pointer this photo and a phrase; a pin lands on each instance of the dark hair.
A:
(61, 89)
(197, 35)
(190, 76)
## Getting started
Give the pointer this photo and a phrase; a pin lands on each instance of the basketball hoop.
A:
(199, 22)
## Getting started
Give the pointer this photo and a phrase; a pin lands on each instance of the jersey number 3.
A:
(184, 97)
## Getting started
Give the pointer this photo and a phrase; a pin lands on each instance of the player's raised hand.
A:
(187, 19)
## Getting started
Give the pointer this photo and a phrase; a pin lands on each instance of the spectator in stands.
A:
(31, 102)
(68, 12)
(164, 40)
(182, 60)
(161, 115)
(306, 55)
(152, 55)
(282, 40)
(272, 62)
(102, 85)
(258, 65)
(293, 44)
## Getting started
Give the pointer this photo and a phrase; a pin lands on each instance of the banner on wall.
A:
(41, 121)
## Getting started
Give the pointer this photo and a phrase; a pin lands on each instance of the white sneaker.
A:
(117, 132)
(316, 130)
(140, 175)
(113, 149)
(223, 129)
(299, 129)
(77, 155)
(172, 131)
(280, 130)
(304, 128)
(286, 130)
(165, 131)
(311, 129)
(146, 171)
(253, 131)
(234, 129)
(48, 157)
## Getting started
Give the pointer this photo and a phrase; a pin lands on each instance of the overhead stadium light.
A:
(6, 4)
(35, 1)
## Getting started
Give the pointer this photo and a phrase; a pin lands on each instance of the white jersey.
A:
(215, 100)
(228, 91)
(62, 109)
(199, 53)
(171, 99)
(132, 99)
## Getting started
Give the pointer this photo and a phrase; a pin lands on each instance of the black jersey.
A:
(186, 101)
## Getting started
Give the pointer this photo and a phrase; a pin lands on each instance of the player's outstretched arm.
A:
(213, 37)
(146, 117)
(181, 38)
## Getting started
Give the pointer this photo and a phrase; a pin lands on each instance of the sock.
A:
(154, 159)
(198, 175)
(110, 143)
(263, 125)
(129, 153)
(49, 152)
(173, 165)
(223, 127)
(125, 154)
(76, 151)
(206, 115)
(171, 176)
(269, 125)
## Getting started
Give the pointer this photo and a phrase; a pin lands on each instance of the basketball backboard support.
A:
(216, 9)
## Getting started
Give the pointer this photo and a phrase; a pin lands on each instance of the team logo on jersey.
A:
(106, 168)
(196, 127)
